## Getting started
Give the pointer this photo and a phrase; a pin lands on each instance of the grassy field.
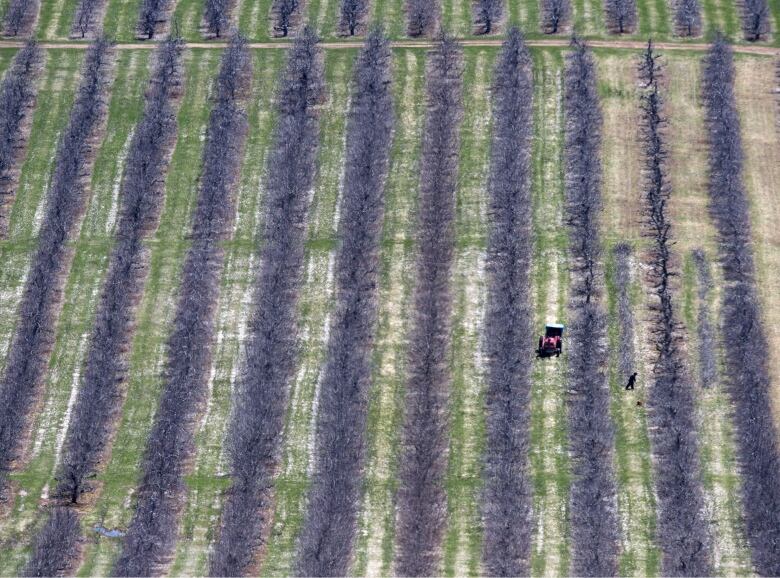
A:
(549, 461)
(655, 18)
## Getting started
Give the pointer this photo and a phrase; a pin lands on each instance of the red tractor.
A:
(551, 343)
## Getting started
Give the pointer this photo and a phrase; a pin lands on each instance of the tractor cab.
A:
(551, 343)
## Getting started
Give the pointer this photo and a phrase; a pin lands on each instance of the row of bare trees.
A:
(331, 517)
(100, 395)
(620, 16)
(152, 532)
(41, 302)
(216, 16)
(683, 532)
(421, 496)
(18, 95)
(507, 497)
(593, 502)
(745, 343)
(555, 15)
(260, 399)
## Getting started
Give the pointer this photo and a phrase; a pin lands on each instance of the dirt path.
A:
(486, 42)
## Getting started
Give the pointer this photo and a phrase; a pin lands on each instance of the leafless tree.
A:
(61, 532)
(593, 516)
(331, 517)
(487, 15)
(285, 15)
(217, 16)
(683, 530)
(260, 399)
(421, 497)
(745, 343)
(30, 350)
(507, 497)
(20, 17)
(555, 15)
(18, 95)
(353, 17)
(151, 535)
(86, 19)
(621, 16)
(422, 17)
(756, 19)
(687, 17)
(623, 253)
(153, 17)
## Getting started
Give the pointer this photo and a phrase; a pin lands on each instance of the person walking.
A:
(631, 382)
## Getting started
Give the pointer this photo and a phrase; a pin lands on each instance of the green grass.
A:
(121, 19)
(463, 542)
(189, 14)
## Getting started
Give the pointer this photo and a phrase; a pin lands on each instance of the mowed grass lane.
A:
(209, 477)
(623, 184)
(463, 483)
(115, 505)
(253, 18)
(55, 19)
(121, 19)
(81, 296)
(549, 462)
